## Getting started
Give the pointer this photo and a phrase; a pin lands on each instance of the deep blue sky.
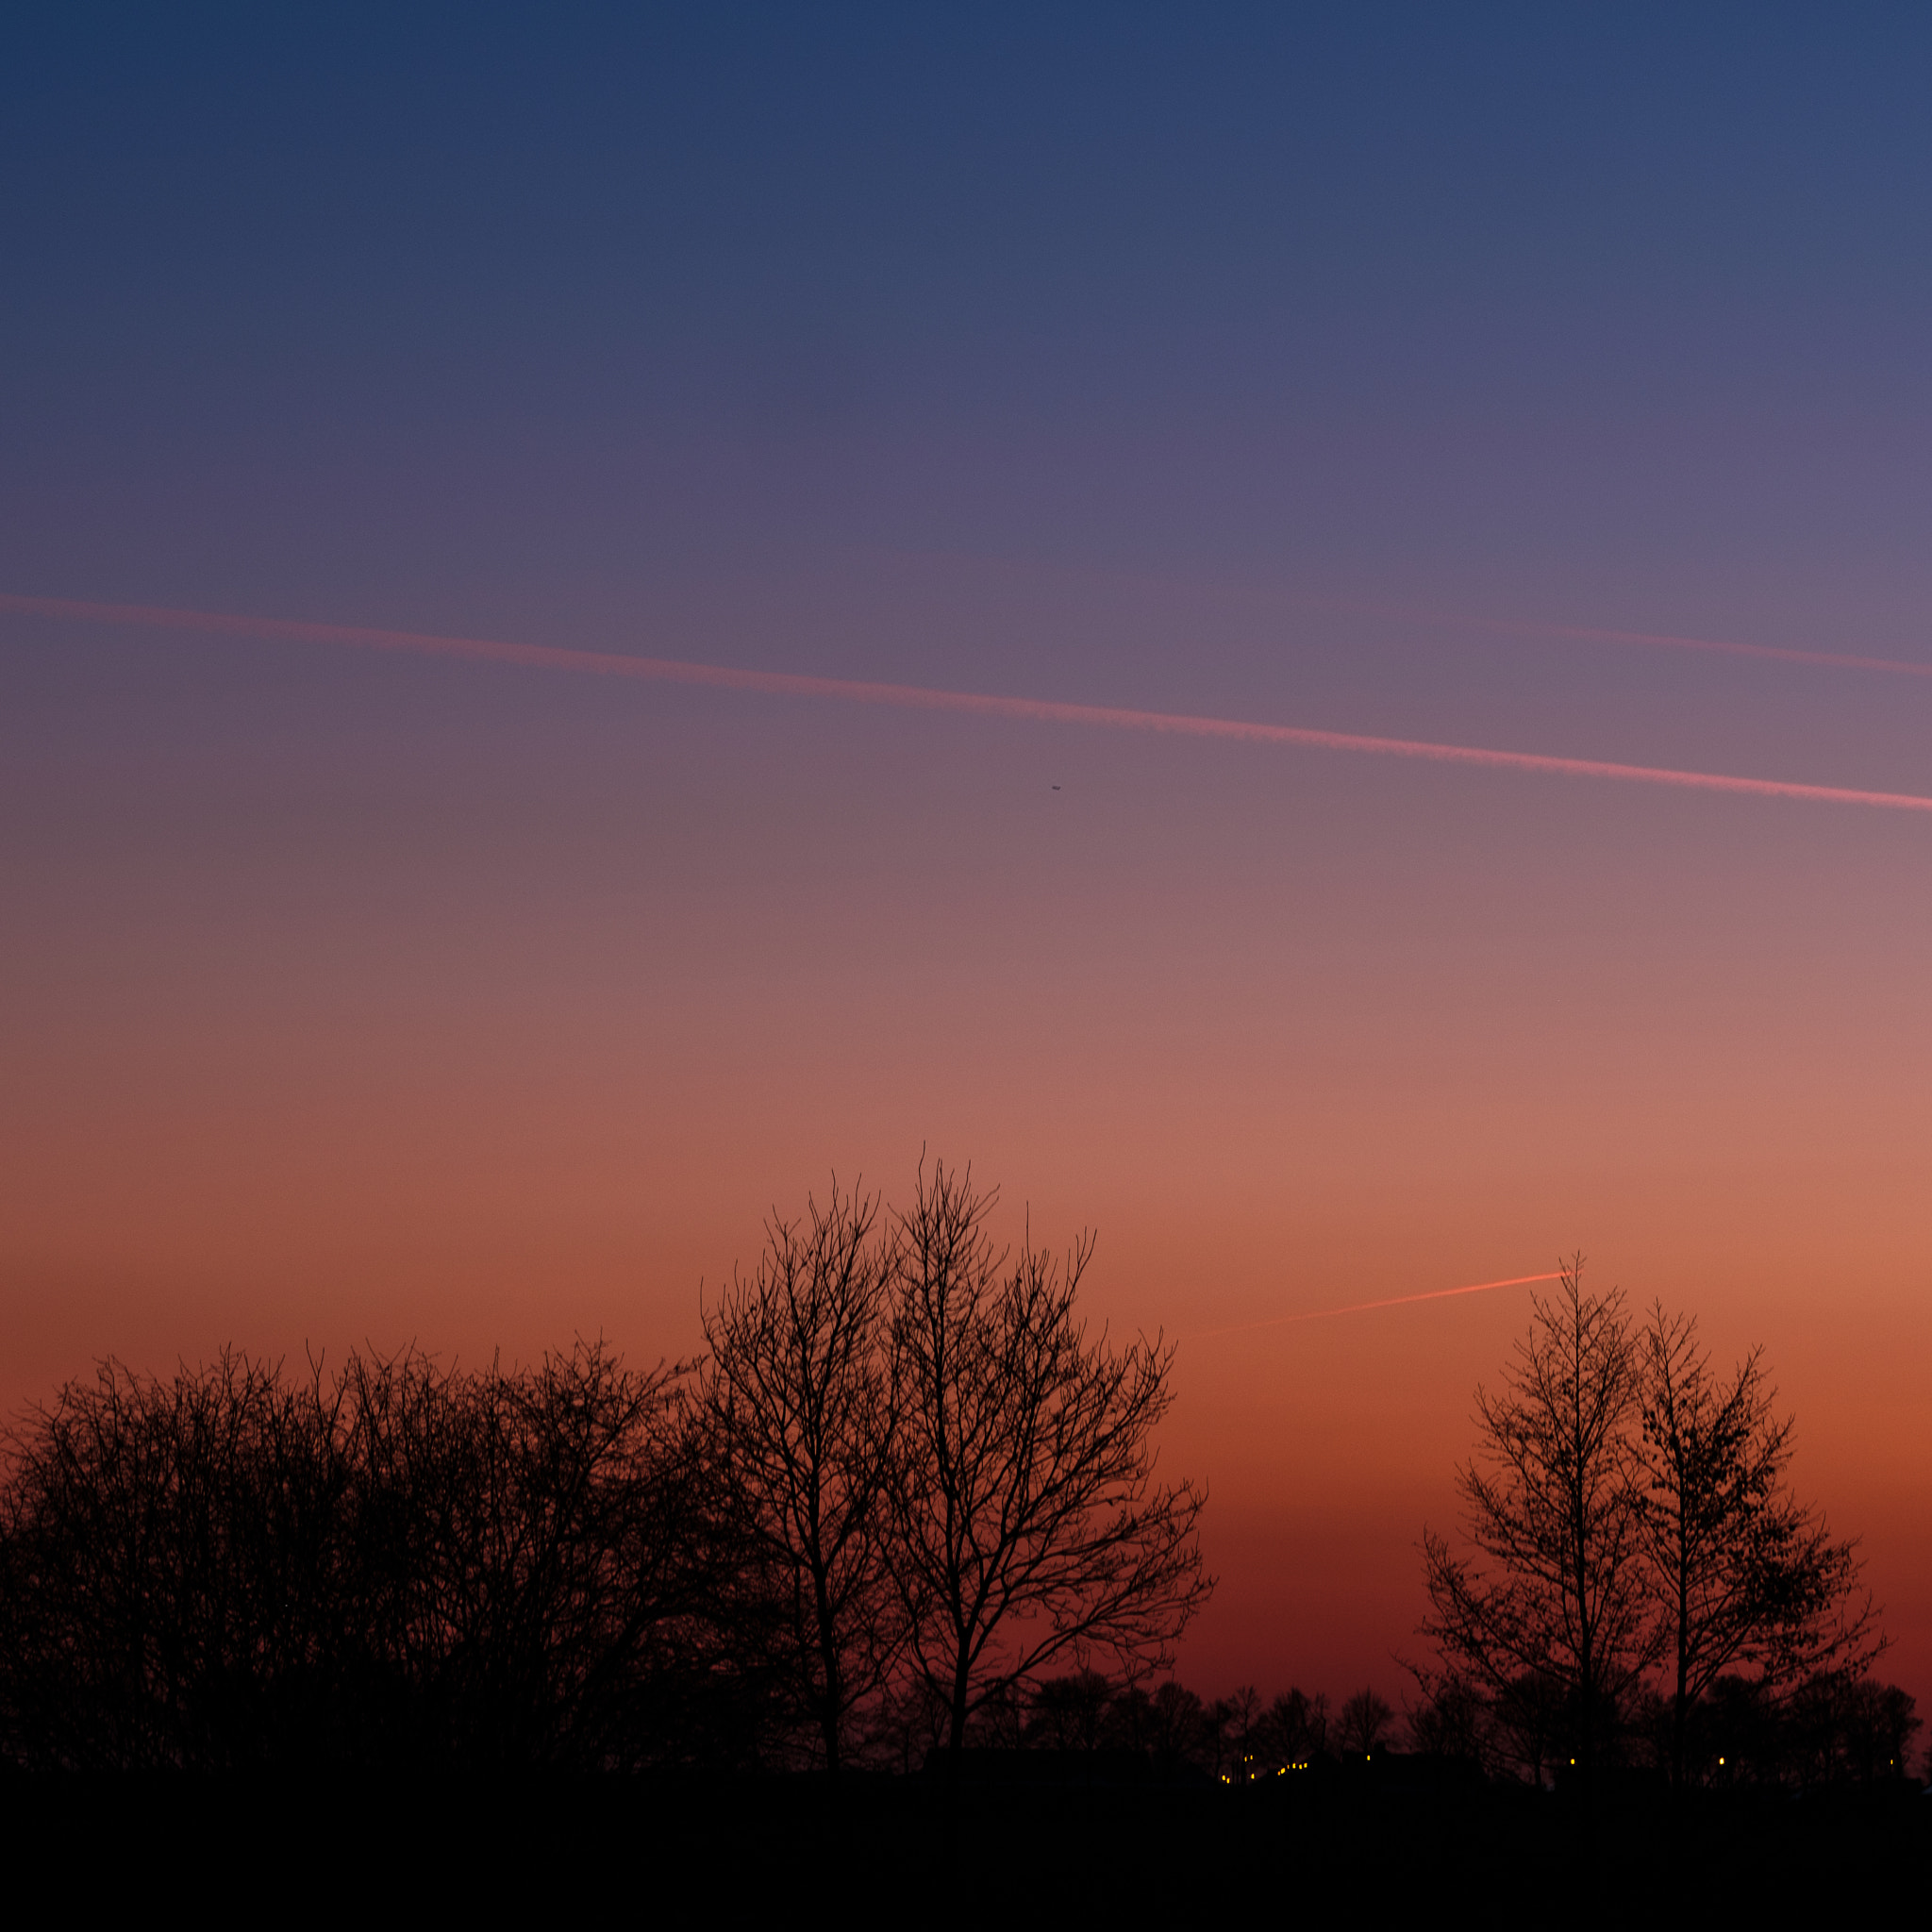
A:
(447, 314)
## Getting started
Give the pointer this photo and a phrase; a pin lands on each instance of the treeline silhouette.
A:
(901, 1515)
(1835, 1731)
(1637, 1582)
(393, 1563)
(901, 1482)
(1833, 1728)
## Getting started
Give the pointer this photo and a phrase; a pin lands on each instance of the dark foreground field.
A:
(911, 1851)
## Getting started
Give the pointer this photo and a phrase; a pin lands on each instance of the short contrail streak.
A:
(1400, 1300)
(1832, 661)
(923, 698)
(1663, 641)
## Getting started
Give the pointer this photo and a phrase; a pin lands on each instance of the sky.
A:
(1446, 376)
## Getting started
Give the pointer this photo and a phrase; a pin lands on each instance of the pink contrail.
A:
(1665, 640)
(923, 698)
(1400, 1300)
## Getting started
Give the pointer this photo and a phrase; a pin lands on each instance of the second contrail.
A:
(923, 698)
(1400, 1300)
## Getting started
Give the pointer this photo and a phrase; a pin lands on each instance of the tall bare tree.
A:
(1555, 1594)
(1745, 1574)
(1030, 1527)
(798, 1389)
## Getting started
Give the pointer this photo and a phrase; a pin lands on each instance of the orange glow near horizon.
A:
(482, 1011)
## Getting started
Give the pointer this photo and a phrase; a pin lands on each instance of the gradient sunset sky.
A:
(1453, 376)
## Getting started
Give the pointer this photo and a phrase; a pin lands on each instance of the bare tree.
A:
(1451, 1718)
(534, 1572)
(1297, 1726)
(1745, 1574)
(798, 1394)
(398, 1565)
(1364, 1722)
(174, 1555)
(1030, 1527)
(1551, 1507)
(1838, 1728)
(1237, 1718)
(1069, 1712)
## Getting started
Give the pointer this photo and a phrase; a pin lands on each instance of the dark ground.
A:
(908, 1850)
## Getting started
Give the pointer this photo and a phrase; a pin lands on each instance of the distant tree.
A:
(1846, 1729)
(1451, 1718)
(1129, 1722)
(1177, 1728)
(1744, 1573)
(1296, 1727)
(1068, 1713)
(797, 1394)
(1364, 1722)
(999, 1720)
(1736, 1735)
(1532, 1713)
(909, 1724)
(1028, 1523)
(1236, 1718)
(1555, 1595)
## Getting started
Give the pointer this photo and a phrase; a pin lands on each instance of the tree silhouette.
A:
(797, 1393)
(1453, 1718)
(1363, 1723)
(173, 1554)
(1176, 1726)
(398, 1565)
(1297, 1726)
(1029, 1524)
(1744, 1573)
(538, 1567)
(1236, 1719)
(1550, 1506)
(1069, 1712)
